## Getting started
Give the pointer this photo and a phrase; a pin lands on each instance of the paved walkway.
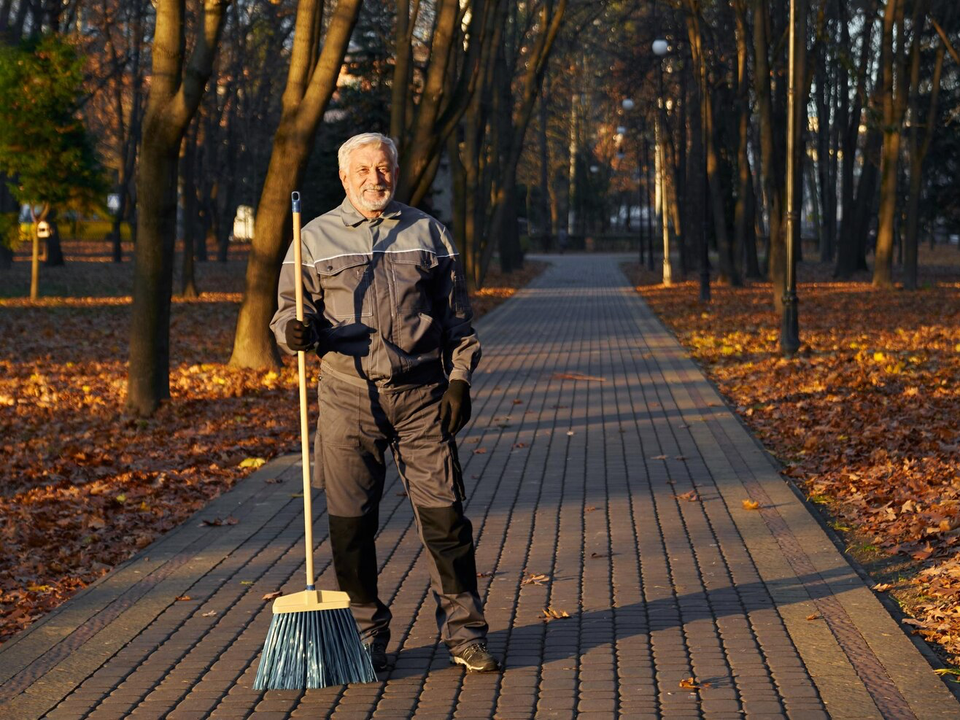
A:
(579, 492)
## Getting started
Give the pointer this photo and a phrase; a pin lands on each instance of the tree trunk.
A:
(173, 100)
(741, 218)
(54, 248)
(458, 228)
(918, 152)
(442, 103)
(827, 226)
(306, 97)
(530, 83)
(188, 194)
(544, 157)
(400, 101)
(890, 152)
(770, 162)
(35, 266)
(848, 241)
(131, 131)
(727, 272)
(751, 259)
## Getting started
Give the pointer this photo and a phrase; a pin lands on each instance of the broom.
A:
(313, 639)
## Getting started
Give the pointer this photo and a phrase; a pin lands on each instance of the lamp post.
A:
(790, 325)
(659, 48)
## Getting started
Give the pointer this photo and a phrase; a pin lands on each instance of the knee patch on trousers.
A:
(352, 541)
(448, 536)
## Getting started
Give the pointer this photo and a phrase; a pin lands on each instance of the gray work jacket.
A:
(387, 298)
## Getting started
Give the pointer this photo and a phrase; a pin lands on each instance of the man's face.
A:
(368, 179)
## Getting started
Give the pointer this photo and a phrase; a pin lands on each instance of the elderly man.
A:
(386, 307)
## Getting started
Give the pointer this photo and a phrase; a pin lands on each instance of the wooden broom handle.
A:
(302, 375)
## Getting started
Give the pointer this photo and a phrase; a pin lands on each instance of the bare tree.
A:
(311, 81)
(175, 93)
(894, 90)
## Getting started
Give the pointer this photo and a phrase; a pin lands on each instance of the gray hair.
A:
(343, 154)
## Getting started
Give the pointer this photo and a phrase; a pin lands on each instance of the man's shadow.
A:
(526, 644)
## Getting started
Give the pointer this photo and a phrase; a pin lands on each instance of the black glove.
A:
(455, 407)
(298, 335)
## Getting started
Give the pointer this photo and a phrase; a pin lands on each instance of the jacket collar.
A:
(351, 217)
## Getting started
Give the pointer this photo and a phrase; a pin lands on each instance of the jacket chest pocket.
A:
(412, 274)
(347, 286)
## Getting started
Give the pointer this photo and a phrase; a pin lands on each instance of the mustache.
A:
(376, 188)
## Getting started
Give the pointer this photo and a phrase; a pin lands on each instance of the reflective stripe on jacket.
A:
(387, 297)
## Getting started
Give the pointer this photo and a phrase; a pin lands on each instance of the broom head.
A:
(312, 642)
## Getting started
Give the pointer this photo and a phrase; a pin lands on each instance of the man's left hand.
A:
(455, 407)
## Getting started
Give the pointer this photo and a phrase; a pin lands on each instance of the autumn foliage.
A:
(82, 486)
(866, 420)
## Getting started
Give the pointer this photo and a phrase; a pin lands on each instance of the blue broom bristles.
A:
(313, 649)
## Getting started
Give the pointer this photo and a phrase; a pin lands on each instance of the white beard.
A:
(375, 199)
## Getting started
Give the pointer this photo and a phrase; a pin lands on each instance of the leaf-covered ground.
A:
(866, 420)
(82, 486)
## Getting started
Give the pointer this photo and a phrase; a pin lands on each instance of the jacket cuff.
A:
(458, 374)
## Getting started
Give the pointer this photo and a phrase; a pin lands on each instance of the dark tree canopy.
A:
(43, 142)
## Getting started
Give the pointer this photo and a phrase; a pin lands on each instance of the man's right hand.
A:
(298, 335)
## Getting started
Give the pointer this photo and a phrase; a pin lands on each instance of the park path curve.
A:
(591, 431)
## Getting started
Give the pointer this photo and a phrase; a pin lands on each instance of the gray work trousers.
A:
(354, 429)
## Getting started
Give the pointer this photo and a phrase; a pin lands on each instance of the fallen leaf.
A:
(589, 509)
(519, 445)
(751, 505)
(273, 481)
(814, 616)
(271, 596)
(690, 496)
(217, 522)
(480, 451)
(183, 598)
(534, 579)
(659, 457)
(518, 401)
(252, 462)
(208, 614)
(550, 613)
(246, 582)
(882, 587)
(487, 573)
(691, 684)
(923, 553)
(599, 555)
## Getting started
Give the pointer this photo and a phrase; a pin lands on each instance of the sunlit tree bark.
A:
(311, 81)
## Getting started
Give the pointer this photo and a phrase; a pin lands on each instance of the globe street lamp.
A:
(660, 49)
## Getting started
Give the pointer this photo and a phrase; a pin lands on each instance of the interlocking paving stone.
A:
(593, 427)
